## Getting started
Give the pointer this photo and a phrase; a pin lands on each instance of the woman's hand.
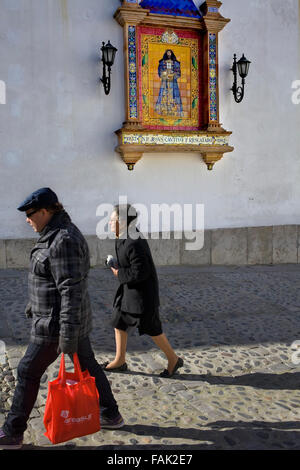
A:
(115, 271)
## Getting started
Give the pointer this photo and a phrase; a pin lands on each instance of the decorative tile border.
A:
(133, 109)
(167, 139)
(213, 113)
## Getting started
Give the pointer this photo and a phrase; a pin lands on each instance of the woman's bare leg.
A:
(121, 347)
(162, 342)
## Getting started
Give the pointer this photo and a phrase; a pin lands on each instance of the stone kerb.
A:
(225, 246)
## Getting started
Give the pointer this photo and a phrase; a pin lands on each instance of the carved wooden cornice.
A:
(135, 14)
(130, 14)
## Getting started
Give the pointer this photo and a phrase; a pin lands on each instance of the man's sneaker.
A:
(7, 442)
(112, 423)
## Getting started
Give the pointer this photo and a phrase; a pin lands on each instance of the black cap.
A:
(41, 198)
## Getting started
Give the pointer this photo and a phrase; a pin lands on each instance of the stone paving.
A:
(234, 327)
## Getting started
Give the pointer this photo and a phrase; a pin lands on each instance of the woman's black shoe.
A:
(167, 374)
(121, 368)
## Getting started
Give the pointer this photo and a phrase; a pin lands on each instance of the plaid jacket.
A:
(57, 282)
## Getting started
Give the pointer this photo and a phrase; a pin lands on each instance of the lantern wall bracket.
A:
(242, 67)
(108, 58)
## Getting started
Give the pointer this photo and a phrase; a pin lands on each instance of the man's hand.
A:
(67, 347)
(115, 271)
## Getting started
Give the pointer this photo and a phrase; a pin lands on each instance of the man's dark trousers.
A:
(32, 366)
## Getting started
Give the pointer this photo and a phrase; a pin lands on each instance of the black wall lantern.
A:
(108, 58)
(242, 66)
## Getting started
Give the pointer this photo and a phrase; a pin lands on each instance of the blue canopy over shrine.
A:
(172, 7)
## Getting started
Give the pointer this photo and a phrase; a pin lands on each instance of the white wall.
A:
(57, 126)
(264, 172)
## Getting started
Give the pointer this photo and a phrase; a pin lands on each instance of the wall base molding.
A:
(228, 246)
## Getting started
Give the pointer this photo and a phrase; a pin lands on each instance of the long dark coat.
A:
(138, 292)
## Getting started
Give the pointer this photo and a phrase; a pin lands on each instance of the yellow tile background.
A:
(183, 55)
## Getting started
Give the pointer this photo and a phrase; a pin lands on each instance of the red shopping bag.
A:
(72, 406)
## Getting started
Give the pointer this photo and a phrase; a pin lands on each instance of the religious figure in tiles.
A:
(169, 99)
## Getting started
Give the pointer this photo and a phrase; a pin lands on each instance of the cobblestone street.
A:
(233, 326)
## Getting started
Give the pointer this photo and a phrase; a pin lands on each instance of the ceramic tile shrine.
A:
(172, 79)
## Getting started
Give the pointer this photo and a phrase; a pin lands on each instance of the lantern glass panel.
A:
(243, 66)
(109, 53)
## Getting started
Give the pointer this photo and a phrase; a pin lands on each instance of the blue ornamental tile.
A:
(172, 7)
(132, 72)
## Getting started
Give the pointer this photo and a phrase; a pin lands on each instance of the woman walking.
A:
(136, 303)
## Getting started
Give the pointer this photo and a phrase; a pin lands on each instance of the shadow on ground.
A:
(220, 435)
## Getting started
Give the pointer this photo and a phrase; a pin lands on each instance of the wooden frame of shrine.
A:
(171, 81)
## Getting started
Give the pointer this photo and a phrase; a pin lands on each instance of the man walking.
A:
(59, 305)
